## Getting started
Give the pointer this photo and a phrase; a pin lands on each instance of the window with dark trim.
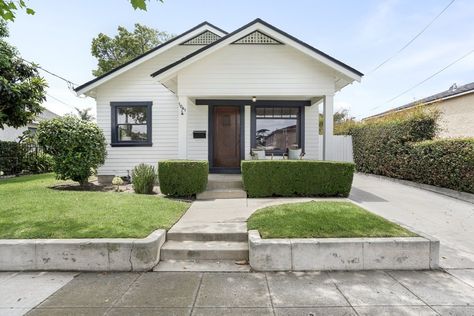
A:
(131, 123)
(276, 129)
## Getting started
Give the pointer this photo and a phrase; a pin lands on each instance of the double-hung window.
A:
(131, 123)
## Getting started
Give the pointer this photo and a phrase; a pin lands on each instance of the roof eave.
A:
(88, 86)
(347, 70)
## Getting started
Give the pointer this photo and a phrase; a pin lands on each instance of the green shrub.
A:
(143, 179)
(183, 177)
(265, 178)
(38, 162)
(447, 163)
(77, 147)
(401, 146)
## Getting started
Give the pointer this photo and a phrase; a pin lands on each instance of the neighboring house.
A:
(455, 106)
(206, 93)
(12, 134)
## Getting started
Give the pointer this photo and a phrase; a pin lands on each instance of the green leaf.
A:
(138, 4)
(30, 11)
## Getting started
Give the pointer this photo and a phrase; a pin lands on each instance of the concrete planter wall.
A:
(316, 254)
(104, 254)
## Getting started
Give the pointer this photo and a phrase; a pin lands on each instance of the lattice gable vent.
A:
(256, 37)
(205, 38)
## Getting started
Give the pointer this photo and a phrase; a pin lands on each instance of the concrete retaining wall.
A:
(114, 254)
(316, 254)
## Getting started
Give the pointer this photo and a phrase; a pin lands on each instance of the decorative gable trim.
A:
(257, 37)
(205, 38)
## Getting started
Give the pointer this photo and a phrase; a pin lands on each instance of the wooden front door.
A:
(226, 137)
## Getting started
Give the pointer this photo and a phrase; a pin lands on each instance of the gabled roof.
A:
(222, 41)
(452, 92)
(152, 52)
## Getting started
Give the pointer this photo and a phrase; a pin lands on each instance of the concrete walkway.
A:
(448, 219)
(20, 292)
(191, 293)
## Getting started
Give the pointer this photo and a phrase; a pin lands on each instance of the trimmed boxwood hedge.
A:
(266, 178)
(183, 178)
(403, 148)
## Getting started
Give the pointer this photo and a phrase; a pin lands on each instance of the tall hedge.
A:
(183, 177)
(403, 147)
(446, 163)
(266, 178)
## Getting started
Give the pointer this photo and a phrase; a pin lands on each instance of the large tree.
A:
(126, 45)
(22, 89)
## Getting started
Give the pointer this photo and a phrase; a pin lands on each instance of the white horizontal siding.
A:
(311, 137)
(261, 70)
(197, 149)
(137, 85)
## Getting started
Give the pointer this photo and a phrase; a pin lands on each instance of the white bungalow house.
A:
(211, 95)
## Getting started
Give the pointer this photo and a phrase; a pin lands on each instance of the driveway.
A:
(448, 219)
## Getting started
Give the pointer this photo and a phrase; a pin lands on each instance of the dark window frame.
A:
(114, 125)
(299, 125)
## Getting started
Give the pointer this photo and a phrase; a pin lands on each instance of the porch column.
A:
(182, 127)
(328, 130)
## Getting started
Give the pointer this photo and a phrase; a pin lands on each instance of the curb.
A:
(101, 254)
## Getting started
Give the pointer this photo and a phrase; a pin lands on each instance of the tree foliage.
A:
(112, 52)
(342, 121)
(77, 146)
(85, 114)
(8, 9)
(22, 90)
(141, 4)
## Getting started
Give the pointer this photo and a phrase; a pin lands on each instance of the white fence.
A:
(340, 148)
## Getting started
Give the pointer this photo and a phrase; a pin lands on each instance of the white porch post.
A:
(328, 131)
(182, 127)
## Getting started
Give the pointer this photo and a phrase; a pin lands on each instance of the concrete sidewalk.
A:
(20, 292)
(448, 219)
(191, 293)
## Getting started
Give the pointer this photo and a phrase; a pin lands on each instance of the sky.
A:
(360, 33)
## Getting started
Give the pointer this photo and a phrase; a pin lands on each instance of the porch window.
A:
(277, 129)
(131, 123)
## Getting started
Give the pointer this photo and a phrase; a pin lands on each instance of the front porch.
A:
(227, 131)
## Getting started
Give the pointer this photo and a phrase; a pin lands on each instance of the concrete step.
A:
(202, 266)
(221, 194)
(204, 250)
(208, 232)
(224, 185)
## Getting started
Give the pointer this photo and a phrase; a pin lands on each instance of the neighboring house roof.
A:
(45, 115)
(229, 38)
(198, 29)
(452, 92)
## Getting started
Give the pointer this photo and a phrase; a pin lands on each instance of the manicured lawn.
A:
(322, 220)
(29, 209)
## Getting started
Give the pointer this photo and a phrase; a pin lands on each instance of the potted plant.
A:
(294, 153)
(258, 153)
